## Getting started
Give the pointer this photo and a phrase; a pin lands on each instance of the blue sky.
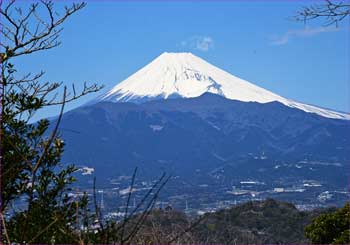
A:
(109, 40)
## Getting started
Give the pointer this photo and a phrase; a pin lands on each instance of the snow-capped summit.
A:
(186, 75)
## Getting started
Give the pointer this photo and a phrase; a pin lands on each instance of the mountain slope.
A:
(184, 75)
(203, 132)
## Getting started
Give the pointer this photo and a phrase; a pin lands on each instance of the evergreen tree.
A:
(332, 228)
(32, 175)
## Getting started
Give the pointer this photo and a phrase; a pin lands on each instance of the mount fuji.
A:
(181, 115)
(184, 75)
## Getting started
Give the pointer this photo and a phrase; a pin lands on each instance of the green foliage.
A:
(42, 224)
(265, 222)
(332, 228)
(32, 172)
(35, 203)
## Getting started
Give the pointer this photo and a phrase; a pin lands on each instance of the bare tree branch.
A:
(331, 12)
(43, 37)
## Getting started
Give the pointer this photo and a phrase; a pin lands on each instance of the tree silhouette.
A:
(30, 167)
(330, 12)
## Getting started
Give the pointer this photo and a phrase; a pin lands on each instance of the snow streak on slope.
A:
(185, 75)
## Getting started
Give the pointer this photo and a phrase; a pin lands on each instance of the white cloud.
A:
(202, 43)
(306, 32)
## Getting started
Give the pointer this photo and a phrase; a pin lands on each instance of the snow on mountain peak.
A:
(186, 75)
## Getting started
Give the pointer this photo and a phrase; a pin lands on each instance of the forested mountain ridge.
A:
(255, 222)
